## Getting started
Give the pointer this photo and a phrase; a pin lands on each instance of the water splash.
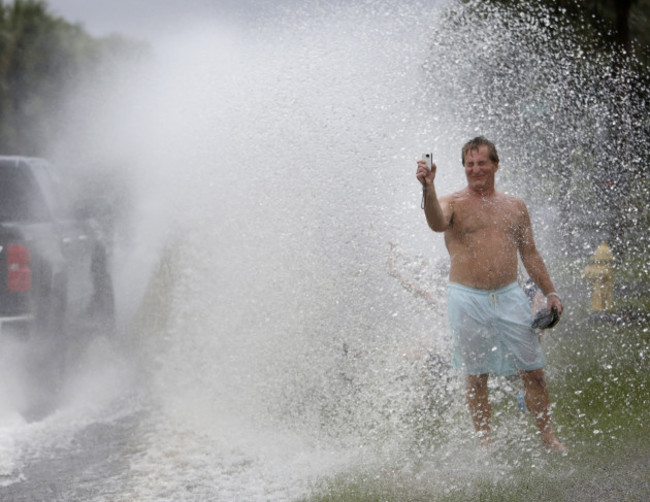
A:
(295, 329)
(565, 114)
(290, 350)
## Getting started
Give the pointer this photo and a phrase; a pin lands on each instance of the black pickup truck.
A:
(54, 264)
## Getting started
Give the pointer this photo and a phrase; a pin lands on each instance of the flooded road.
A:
(286, 336)
(92, 464)
(82, 448)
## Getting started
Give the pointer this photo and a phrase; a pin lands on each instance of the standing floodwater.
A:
(292, 341)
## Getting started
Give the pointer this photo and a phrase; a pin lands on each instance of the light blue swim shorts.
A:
(491, 331)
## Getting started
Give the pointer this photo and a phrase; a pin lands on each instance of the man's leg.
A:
(538, 402)
(479, 405)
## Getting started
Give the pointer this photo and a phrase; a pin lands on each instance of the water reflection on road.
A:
(81, 451)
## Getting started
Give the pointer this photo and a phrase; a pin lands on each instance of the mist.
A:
(264, 176)
(253, 130)
(280, 299)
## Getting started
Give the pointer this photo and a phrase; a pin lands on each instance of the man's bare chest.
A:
(476, 220)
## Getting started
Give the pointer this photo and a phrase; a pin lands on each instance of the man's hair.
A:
(475, 144)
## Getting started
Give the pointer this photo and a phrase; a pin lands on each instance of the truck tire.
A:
(102, 304)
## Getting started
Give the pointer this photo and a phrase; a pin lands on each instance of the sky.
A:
(151, 19)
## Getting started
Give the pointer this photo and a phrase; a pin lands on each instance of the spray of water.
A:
(292, 328)
(290, 351)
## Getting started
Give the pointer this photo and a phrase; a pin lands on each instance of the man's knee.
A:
(477, 383)
(534, 378)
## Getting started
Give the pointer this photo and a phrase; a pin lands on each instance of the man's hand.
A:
(553, 301)
(424, 174)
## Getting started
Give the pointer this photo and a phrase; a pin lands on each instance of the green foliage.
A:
(42, 59)
(606, 23)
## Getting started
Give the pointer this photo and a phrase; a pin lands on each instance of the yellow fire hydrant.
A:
(600, 274)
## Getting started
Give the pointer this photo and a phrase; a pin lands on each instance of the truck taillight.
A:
(19, 273)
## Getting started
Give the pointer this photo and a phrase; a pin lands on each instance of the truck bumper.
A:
(19, 327)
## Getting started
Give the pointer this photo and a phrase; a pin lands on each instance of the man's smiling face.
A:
(479, 169)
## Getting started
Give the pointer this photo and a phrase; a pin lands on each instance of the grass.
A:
(599, 377)
(602, 373)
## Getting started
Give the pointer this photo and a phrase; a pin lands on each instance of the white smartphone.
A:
(427, 158)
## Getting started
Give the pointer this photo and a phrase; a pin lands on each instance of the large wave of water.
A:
(292, 327)
(290, 350)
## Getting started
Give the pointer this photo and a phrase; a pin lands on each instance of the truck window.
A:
(20, 197)
(53, 191)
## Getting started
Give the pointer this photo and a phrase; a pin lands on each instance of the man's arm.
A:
(533, 262)
(438, 212)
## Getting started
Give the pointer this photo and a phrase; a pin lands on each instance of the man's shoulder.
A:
(454, 196)
(513, 200)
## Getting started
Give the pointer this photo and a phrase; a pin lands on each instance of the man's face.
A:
(479, 169)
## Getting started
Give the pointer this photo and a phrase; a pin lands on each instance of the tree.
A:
(623, 23)
(41, 58)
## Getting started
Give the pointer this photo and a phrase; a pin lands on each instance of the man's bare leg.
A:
(479, 405)
(538, 402)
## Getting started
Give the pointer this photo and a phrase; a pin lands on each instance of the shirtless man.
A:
(489, 316)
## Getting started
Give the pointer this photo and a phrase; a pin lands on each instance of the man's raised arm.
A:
(438, 212)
